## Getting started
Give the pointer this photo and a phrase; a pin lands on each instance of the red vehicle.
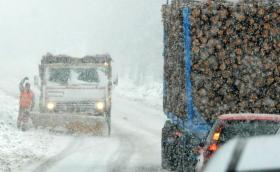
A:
(238, 125)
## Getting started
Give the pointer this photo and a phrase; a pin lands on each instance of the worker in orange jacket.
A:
(26, 103)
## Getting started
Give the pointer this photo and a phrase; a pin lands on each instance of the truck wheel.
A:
(109, 126)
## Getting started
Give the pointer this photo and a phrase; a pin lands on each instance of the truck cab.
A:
(75, 93)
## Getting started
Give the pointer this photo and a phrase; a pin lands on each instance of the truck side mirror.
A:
(36, 81)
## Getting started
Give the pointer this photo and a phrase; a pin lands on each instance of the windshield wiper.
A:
(238, 150)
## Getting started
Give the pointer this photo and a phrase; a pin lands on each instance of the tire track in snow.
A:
(120, 160)
(137, 139)
(67, 151)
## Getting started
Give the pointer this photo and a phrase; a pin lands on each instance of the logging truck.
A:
(219, 58)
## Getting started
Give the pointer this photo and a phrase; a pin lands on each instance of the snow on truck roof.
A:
(250, 116)
(54, 59)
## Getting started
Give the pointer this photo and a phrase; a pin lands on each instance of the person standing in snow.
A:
(26, 103)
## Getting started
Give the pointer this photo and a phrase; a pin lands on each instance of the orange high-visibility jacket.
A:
(26, 99)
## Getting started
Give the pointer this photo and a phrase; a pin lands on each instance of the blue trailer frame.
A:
(194, 122)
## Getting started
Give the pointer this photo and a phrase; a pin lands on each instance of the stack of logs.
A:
(235, 56)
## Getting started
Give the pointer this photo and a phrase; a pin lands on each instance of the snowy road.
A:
(133, 146)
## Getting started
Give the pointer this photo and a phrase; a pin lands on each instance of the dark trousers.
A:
(23, 116)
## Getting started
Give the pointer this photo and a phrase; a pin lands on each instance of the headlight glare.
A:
(50, 106)
(100, 106)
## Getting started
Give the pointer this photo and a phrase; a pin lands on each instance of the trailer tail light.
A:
(213, 147)
(216, 136)
(210, 151)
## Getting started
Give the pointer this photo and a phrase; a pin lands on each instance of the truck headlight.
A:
(50, 106)
(100, 106)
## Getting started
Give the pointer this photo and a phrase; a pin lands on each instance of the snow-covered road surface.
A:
(134, 145)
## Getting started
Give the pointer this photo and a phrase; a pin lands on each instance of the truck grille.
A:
(84, 107)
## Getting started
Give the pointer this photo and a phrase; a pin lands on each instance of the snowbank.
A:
(148, 93)
(18, 148)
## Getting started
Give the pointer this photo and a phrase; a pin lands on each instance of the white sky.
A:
(130, 30)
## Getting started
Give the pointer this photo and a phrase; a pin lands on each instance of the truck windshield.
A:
(76, 75)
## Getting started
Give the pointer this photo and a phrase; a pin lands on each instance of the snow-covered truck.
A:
(220, 57)
(75, 93)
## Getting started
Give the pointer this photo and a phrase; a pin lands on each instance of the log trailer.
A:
(219, 57)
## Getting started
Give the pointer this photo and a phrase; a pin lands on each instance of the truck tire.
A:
(109, 125)
(108, 122)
